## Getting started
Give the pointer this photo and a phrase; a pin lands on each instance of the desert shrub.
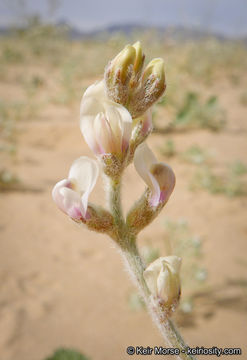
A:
(195, 155)
(193, 113)
(168, 148)
(231, 183)
(8, 180)
(67, 354)
(11, 55)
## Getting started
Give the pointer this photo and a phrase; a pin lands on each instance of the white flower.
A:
(159, 177)
(71, 195)
(162, 279)
(105, 125)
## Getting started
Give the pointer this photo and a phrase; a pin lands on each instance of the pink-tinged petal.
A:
(166, 179)
(121, 124)
(103, 134)
(147, 124)
(144, 159)
(75, 212)
(125, 145)
(159, 177)
(72, 202)
(115, 123)
(110, 137)
(126, 124)
(56, 193)
(84, 173)
(155, 190)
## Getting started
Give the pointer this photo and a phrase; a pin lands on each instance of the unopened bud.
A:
(155, 69)
(127, 84)
(123, 62)
(139, 58)
(163, 281)
(150, 90)
(118, 74)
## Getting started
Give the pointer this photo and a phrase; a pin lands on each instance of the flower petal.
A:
(150, 276)
(84, 173)
(144, 159)
(174, 262)
(96, 90)
(95, 101)
(147, 124)
(162, 278)
(72, 203)
(121, 124)
(164, 282)
(115, 122)
(166, 179)
(103, 133)
(90, 107)
(126, 127)
(57, 195)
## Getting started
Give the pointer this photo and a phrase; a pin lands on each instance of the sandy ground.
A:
(62, 285)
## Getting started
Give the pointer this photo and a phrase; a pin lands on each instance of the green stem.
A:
(136, 266)
(127, 243)
(115, 202)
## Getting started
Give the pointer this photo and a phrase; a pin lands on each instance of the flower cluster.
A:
(115, 120)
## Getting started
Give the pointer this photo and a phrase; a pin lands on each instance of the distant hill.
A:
(174, 33)
(178, 33)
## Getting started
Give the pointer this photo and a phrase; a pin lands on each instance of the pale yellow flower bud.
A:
(123, 61)
(118, 74)
(151, 86)
(127, 84)
(155, 68)
(139, 57)
(162, 279)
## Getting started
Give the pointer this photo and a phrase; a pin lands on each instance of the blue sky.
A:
(223, 16)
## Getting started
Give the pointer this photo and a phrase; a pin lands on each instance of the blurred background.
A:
(65, 287)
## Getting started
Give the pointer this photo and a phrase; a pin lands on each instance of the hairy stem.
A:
(115, 203)
(127, 243)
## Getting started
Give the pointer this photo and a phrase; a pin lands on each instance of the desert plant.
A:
(195, 155)
(168, 148)
(195, 114)
(115, 122)
(229, 183)
(67, 354)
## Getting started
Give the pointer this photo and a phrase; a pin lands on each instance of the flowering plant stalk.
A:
(115, 120)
